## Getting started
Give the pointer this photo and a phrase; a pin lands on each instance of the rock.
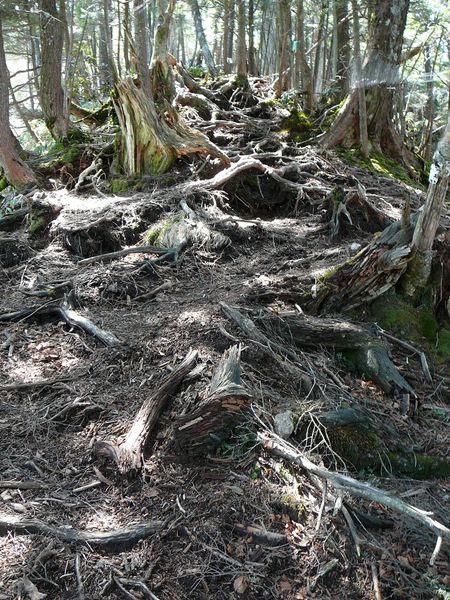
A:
(283, 424)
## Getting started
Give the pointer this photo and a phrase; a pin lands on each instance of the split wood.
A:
(281, 448)
(128, 455)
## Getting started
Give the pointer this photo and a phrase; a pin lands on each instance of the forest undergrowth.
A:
(111, 283)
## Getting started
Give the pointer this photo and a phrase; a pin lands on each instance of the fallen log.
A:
(210, 423)
(128, 455)
(364, 349)
(281, 448)
(124, 252)
(14, 219)
(101, 540)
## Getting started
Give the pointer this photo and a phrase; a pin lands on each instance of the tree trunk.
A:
(402, 254)
(16, 171)
(51, 91)
(152, 133)
(284, 25)
(302, 67)
(419, 268)
(343, 49)
(200, 33)
(252, 69)
(362, 107)
(226, 33)
(426, 145)
(381, 76)
(141, 41)
(242, 68)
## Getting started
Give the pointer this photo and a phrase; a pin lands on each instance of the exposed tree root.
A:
(100, 540)
(359, 489)
(65, 312)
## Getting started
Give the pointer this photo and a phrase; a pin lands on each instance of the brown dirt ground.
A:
(47, 434)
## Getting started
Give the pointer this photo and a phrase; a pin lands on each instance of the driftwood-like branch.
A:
(128, 536)
(210, 423)
(10, 484)
(128, 455)
(281, 448)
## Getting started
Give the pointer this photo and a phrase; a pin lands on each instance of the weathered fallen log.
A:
(210, 423)
(277, 446)
(128, 455)
(101, 540)
(368, 353)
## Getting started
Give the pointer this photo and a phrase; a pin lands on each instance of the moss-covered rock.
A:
(297, 125)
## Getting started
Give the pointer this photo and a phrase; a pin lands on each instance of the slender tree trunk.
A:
(231, 30)
(200, 33)
(343, 49)
(141, 42)
(51, 91)
(360, 84)
(283, 35)
(251, 38)
(426, 145)
(320, 46)
(126, 35)
(226, 33)
(16, 171)
(242, 68)
(301, 64)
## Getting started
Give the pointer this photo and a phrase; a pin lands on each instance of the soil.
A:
(277, 253)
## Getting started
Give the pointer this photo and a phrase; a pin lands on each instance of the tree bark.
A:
(129, 454)
(16, 170)
(242, 68)
(141, 41)
(51, 91)
(380, 76)
(284, 26)
(343, 49)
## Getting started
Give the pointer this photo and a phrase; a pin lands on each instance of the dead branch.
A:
(276, 445)
(128, 455)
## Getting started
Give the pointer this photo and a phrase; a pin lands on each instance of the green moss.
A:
(3, 184)
(71, 155)
(155, 235)
(292, 507)
(241, 80)
(419, 466)
(197, 72)
(359, 447)
(118, 185)
(298, 125)
(443, 346)
(378, 164)
(395, 314)
(36, 224)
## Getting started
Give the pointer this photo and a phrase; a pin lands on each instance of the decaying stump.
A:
(354, 209)
(128, 455)
(153, 134)
(210, 423)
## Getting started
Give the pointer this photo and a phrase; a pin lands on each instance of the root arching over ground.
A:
(149, 343)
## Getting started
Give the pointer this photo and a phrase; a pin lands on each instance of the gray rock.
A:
(283, 424)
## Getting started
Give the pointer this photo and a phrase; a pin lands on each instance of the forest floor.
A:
(278, 251)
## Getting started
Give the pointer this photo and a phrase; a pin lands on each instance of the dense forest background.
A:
(224, 299)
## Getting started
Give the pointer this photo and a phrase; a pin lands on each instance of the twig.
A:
(78, 577)
(353, 531)
(322, 506)
(408, 346)
(376, 581)
(22, 485)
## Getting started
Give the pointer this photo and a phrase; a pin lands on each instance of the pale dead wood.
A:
(22, 485)
(121, 253)
(276, 445)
